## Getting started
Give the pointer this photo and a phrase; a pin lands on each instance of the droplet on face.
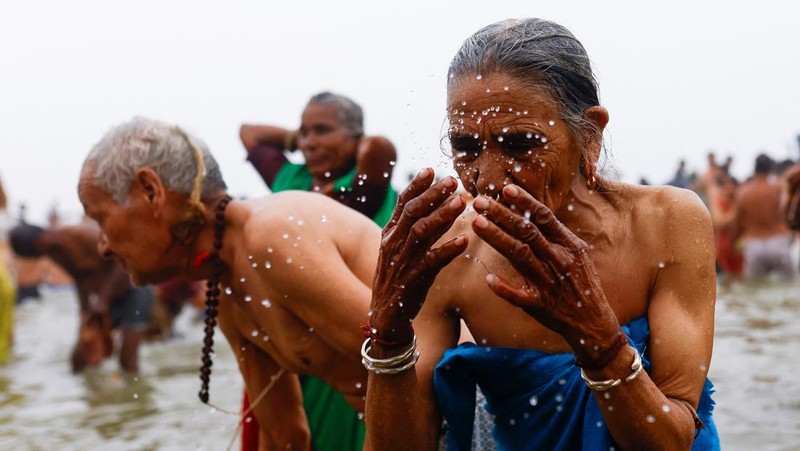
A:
(266, 303)
(570, 207)
(323, 218)
(289, 260)
(248, 298)
(228, 290)
(358, 384)
(552, 122)
(517, 168)
(265, 338)
(267, 265)
(478, 77)
(661, 264)
(327, 174)
(285, 236)
(254, 333)
(463, 102)
(651, 419)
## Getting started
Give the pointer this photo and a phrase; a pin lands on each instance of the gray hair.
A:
(165, 148)
(535, 51)
(351, 115)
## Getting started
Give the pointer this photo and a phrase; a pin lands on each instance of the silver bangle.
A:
(393, 365)
(608, 384)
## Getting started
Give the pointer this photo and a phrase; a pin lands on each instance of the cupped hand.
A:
(562, 290)
(408, 262)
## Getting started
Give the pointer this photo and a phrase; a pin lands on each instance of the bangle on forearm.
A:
(371, 332)
(608, 384)
(393, 365)
(607, 356)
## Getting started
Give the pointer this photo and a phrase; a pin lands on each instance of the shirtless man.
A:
(289, 275)
(761, 225)
(107, 298)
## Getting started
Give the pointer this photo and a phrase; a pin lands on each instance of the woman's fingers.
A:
(424, 204)
(552, 229)
(518, 253)
(417, 186)
(526, 298)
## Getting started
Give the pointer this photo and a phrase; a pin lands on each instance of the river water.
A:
(43, 407)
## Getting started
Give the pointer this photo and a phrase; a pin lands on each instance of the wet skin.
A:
(544, 262)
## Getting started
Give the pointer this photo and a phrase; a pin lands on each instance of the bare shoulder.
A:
(668, 212)
(291, 218)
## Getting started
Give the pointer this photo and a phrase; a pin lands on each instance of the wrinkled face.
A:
(129, 233)
(502, 131)
(328, 146)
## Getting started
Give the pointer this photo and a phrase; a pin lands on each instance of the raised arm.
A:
(265, 145)
(401, 410)
(375, 160)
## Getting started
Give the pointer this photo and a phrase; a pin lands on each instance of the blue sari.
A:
(538, 399)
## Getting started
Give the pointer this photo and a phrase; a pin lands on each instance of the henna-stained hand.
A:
(408, 263)
(562, 290)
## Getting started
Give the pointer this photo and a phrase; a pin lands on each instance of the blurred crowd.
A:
(753, 218)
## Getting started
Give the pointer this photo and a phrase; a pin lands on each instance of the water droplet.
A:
(289, 260)
(562, 381)
(479, 77)
(559, 398)
(505, 129)
(265, 338)
(651, 419)
(266, 303)
(500, 139)
(570, 207)
(491, 186)
(517, 168)
(228, 290)
(505, 88)
(323, 218)
(248, 298)
(543, 139)
(254, 265)
(661, 264)
(241, 280)
(358, 384)
(534, 400)
(327, 174)
(552, 122)
(285, 236)
(254, 333)
(512, 422)
(311, 329)
(463, 102)
(665, 408)
(267, 265)
(386, 175)
(135, 396)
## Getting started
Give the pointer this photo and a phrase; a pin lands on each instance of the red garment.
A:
(249, 427)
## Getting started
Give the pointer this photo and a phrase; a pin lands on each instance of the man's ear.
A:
(593, 139)
(148, 187)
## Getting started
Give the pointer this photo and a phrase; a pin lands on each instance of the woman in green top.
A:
(354, 169)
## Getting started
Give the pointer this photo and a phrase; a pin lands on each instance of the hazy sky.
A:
(679, 79)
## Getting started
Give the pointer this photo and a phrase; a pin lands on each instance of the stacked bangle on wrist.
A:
(608, 384)
(393, 365)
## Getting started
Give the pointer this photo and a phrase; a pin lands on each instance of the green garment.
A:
(334, 424)
(296, 177)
